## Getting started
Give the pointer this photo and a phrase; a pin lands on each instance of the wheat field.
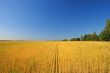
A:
(54, 57)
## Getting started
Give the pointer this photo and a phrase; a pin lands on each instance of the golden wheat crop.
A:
(54, 57)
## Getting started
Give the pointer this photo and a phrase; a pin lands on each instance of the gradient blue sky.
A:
(51, 19)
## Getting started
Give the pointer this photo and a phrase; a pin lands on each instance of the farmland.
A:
(54, 57)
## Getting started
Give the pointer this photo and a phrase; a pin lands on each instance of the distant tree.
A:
(107, 27)
(82, 38)
(75, 39)
(105, 34)
(65, 40)
(94, 37)
(90, 37)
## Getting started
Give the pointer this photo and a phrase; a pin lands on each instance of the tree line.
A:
(104, 35)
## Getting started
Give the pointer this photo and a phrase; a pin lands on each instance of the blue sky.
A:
(51, 19)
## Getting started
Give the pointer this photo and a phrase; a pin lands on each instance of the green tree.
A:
(105, 34)
(65, 40)
(82, 38)
(90, 37)
(75, 39)
(94, 37)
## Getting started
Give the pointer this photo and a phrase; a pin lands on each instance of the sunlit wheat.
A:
(54, 57)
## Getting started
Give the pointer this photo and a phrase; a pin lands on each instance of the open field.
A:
(54, 57)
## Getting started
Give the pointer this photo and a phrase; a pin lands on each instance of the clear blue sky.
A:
(51, 19)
